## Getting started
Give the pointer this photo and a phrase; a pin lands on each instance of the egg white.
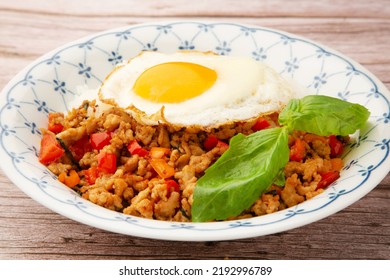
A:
(244, 89)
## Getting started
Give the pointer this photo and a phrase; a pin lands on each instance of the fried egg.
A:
(195, 88)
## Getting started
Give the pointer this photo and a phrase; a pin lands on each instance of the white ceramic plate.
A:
(50, 84)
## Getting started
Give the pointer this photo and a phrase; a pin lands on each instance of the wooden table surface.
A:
(359, 29)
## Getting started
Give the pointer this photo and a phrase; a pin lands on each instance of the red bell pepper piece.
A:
(135, 149)
(210, 142)
(222, 144)
(53, 126)
(80, 147)
(298, 150)
(336, 146)
(50, 150)
(162, 168)
(328, 178)
(158, 152)
(106, 162)
(91, 174)
(100, 139)
(71, 179)
(172, 186)
(260, 124)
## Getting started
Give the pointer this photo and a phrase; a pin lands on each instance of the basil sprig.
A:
(231, 184)
(253, 163)
(323, 115)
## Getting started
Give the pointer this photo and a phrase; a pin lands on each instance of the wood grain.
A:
(358, 29)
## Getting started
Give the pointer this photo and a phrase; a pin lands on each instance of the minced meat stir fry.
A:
(151, 171)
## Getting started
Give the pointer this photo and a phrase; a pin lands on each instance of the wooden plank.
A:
(30, 28)
(203, 8)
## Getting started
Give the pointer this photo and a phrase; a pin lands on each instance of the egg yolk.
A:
(174, 82)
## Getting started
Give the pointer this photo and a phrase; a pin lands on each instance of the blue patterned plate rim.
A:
(50, 83)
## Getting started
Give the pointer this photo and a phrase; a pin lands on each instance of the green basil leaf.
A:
(246, 170)
(280, 179)
(323, 115)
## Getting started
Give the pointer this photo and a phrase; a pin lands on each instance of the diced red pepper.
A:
(80, 147)
(53, 126)
(336, 163)
(162, 168)
(327, 179)
(135, 149)
(71, 179)
(222, 144)
(91, 174)
(172, 186)
(298, 150)
(158, 152)
(210, 142)
(100, 139)
(261, 124)
(56, 128)
(107, 162)
(50, 150)
(336, 146)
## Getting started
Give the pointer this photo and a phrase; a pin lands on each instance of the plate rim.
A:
(19, 181)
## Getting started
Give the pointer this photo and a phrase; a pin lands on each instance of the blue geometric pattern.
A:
(51, 82)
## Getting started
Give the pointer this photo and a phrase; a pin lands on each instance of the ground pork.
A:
(136, 188)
